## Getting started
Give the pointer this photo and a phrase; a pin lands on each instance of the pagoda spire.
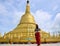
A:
(27, 7)
(27, 1)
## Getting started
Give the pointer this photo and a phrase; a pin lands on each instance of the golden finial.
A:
(28, 7)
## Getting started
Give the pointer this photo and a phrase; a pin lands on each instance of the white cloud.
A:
(45, 22)
(42, 15)
(55, 7)
(56, 24)
(57, 18)
(43, 19)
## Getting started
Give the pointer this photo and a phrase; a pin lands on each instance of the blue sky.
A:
(46, 13)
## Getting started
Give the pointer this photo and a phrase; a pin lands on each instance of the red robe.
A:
(37, 36)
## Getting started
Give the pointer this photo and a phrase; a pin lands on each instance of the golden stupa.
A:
(25, 29)
(24, 32)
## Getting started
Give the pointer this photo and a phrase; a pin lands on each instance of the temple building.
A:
(25, 30)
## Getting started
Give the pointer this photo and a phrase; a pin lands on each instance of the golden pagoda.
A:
(25, 30)
(0, 35)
